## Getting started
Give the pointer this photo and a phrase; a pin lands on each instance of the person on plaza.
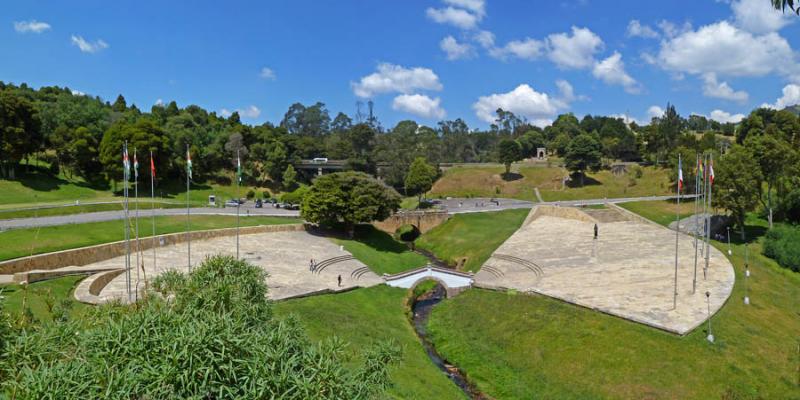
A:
(595, 231)
(339, 279)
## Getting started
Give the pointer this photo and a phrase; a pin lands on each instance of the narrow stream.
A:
(422, 307)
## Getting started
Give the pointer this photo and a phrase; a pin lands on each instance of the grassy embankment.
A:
(525, 346)
(366, 316)
(42, 298)
(24, 242)
(661, 212)
(474, 236)
(488, 182)
(379, 251)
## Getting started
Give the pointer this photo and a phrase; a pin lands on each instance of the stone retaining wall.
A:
(91, 254)
(88, 291)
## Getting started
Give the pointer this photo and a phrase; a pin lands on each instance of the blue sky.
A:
(422, 60)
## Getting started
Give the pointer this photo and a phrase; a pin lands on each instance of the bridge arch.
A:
(453, 281)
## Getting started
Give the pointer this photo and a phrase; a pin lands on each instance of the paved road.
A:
(247, 210)
(453, 205)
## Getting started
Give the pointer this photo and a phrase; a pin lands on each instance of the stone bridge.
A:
(423, 220)
(453, 281)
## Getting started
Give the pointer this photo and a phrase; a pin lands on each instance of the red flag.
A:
(711, 173)
(152, 167)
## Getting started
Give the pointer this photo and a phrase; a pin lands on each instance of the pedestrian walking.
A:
(595, 231)
(339, 279)
(311, 265)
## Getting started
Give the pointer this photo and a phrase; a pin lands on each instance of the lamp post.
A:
(710, 336)
(746, 278)
(729, 241)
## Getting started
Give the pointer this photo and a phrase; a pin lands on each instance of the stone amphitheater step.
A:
(493, 270)
(516, 260)
(359, 272)
(325, 263)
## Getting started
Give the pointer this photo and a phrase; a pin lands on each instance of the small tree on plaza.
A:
(348, 198)
(420, 177)
(509, 151)
(583, 154)
(737, 184)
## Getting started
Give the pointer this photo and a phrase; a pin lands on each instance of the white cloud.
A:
(725, 50)
(89, 47)
(721, 90)
(791, 96)
(485, 39)
(32, 26)
(671, 30)
(267, 73)
(394, 78)
(159, 102)
(655, 112)
(478, 7)
(419, 105)
(539, 108)
(725, 117)
(456, 50)
(249, 112)
(758, 16)
(454, 16)
(636, 29)
(566, 90)
(612, 71)
(526, 49)
(77, 93)
(576, 51)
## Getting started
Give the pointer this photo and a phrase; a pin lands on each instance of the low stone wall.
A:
(560, 212)
(423, 220)
(91, 254)
(88, 291)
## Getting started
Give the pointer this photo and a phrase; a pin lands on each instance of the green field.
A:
(380, 251)
(366, 316)
(474, 236)
(488, 182)
(529, 346)
(24, 242)
(661, 212)
(42, 298)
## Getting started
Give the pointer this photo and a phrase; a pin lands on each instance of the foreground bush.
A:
(209, 335)
(782, 243)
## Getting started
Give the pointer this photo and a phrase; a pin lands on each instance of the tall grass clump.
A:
(209, 334)
(782, 244)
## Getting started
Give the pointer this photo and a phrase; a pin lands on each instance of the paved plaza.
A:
(284, 256)
(628, 271)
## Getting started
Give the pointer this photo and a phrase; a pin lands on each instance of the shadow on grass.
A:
(38, 178)
(365, 234)
(575, 181)
(511, 176)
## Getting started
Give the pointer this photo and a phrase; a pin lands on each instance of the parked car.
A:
(292, 206)
(232, 203)
(259, 203)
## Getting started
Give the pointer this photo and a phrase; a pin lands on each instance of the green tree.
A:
(289, 177)
(119, 104)
(143, 136)
(509, 151)
(583, 154)
(773, 156)
(348, 198)
(420, 177)
(737, 184)
(20, 133)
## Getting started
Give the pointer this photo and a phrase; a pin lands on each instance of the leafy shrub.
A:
(266, 194)
(782, 244)
(296, 196)
(250, 194)
(206, 335)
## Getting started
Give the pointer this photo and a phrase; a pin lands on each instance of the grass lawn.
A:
(409, 203)
(661, 212)
(366, 316)
(474, 236)
(488, 182)
(23, 242)
(41, 297)
(83, 208)
(379, 251)
(526, 346)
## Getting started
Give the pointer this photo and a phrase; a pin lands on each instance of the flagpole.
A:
(136, 194)
(153, 208)
(677, 232)
(710, 185)
(188, 235)
(125, 173)
(238, 196)
(696, 199)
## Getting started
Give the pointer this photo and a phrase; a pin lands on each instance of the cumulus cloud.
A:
(454, 16)
(574, 51)
(249, 112)
(456, 50)
(612, 71)
(725, 117)
(721, 90)
(267, 73)
(791, 96)
(159, 102)
(485, 39)
(758, 16)
(636, 29)
(671, 30)
(394, 78)
(32, 26)
(77, 93)
(87, 46)
(539, 108)
(419, 105)
(723, 49)
(478, 7)
(655, 112)
(526, 49)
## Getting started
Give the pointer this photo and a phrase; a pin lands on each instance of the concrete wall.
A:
(560, 212)
(92, 254)
(423, 220)
(88, 290)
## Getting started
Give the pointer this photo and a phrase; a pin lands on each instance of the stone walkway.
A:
(628, 271)
(283, 255)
